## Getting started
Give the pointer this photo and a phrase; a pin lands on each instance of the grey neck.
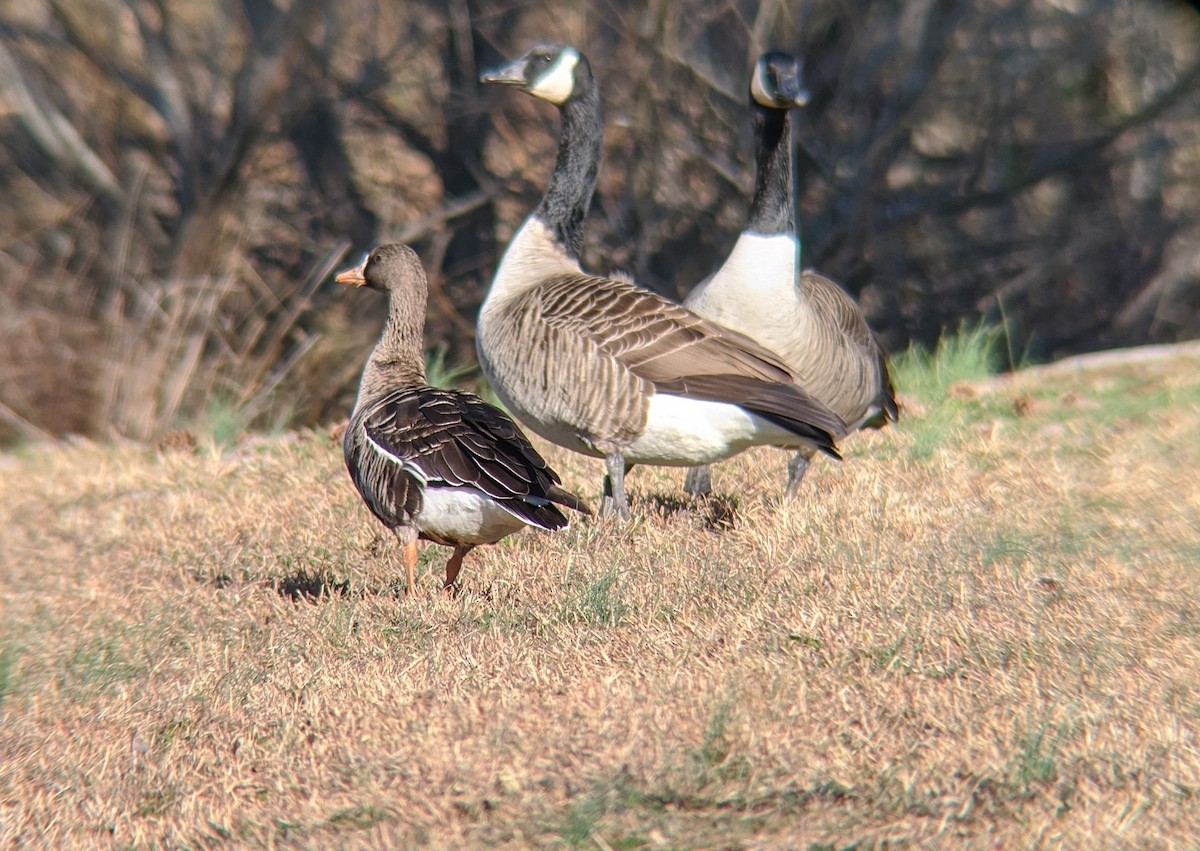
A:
(398, 359)
(569, 194)
(772, 210)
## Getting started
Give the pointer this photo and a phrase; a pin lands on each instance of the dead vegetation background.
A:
(179, 178)
(979, 631)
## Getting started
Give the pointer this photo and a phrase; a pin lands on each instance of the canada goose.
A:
(602, 366)
(804, 317)
(431, 463)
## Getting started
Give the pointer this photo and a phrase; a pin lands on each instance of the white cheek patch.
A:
(758, 86)
(557, 82)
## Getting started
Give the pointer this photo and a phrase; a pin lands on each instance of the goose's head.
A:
(388, 268)
(552, 72)
(778, 81)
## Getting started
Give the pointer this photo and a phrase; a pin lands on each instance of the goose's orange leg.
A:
(453, 566)
(410, 567)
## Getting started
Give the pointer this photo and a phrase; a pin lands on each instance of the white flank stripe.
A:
(404, 463)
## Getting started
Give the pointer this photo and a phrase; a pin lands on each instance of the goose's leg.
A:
(698, 481)
(453, 566)
(410, 561)
(608, 479)
(796, 469)
(615, 500)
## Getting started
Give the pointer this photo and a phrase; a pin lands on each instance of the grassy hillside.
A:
(980, 630)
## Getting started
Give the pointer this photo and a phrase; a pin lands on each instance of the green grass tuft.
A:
(580, 821)
(224, 421)
(361, 817)
(596, 601)
(8, 681)
(970, 354)
(440, 373)
(100, 663)
(1036, 764)
(927, 376)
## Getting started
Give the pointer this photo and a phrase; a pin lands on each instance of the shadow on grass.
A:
(220, 581)
(718, 512)
(311, 587)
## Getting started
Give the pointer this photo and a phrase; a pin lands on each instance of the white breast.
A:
(759, 277)
(682, 432)
(532, 256)
(755, 292)
(464, 516)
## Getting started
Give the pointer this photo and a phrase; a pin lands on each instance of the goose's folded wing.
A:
(829, 300)
(391, 490)
(652, 336)
(833, 301)
(680, 352)
(451, 439)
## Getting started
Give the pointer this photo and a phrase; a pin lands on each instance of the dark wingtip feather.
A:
(545, 516)
(564, 497)
(822, 438)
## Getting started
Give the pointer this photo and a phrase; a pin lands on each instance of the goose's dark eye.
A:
(543, 58)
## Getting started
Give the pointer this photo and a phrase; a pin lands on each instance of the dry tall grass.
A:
(978, 631)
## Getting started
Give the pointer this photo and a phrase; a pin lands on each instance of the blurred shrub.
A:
(181, 178)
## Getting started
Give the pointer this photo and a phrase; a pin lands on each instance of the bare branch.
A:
(169, 97)
(890, 132)
(24, 426)
(451, 210)
(53, 131)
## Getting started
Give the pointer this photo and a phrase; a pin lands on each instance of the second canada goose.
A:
(804, 317)
(602, 366)
(431, 463)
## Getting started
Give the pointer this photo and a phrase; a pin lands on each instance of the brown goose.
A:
(804, 317)
(442, 465)
(602, 366)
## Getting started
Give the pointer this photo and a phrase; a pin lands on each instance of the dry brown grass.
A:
(979, 631)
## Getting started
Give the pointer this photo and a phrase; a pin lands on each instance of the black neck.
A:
(565, 204)
(771, 211)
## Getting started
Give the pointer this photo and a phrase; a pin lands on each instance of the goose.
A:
(441, 465)
(804, 317)
(600, 365)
